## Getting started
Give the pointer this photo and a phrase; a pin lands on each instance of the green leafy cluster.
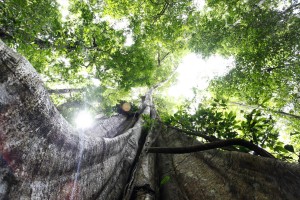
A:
(219, 121)
(265, 45)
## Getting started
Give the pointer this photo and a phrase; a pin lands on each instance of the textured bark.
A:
(143, 184)
(43, 157)
(216, 174)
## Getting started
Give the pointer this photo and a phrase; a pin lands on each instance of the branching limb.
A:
(202, 135)
(167, 79)
(64, 91)
(162, 12)
(291, 8)
(160, 60)
(212, 145)
(165, 56)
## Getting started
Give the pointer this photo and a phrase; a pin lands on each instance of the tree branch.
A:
(291, 8)
(63, 91)
(198, 134)
(202, 135)
(266, 109)
(165, 56)
(272, 68)
(212, 145)
(162, 11)
(286, 114)
(166, 80)
(158, 58)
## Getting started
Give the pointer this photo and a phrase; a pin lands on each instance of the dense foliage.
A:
(218, 121)
(109, 50)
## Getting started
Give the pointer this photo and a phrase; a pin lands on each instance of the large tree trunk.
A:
(43, 157)
(216, 174)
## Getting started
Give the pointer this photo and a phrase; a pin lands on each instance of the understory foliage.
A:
(219, 121)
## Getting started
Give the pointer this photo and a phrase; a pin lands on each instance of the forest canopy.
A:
(95, 54)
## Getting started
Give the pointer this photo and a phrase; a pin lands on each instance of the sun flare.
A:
(84, 120)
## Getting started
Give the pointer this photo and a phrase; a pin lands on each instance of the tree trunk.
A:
(43, 157)
(216, 174)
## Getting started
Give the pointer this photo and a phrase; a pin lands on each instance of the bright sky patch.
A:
(197, 72)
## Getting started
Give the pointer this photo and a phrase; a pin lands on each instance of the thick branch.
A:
(212, 145)
(202, 135)
(63, 91)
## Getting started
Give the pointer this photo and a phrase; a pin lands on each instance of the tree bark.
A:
(43, 157)
(216, 174)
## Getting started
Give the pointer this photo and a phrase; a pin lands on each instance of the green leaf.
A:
(280, 149)
(289, 147)
(165, 180)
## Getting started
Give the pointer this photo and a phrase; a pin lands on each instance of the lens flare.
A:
(83, 120)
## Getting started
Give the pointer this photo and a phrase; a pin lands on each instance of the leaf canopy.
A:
(90, 48)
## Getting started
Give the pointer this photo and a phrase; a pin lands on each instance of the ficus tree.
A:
(42, 156)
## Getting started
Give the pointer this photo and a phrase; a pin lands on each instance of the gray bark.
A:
(216, 174)
(143, 183)
(43, 157)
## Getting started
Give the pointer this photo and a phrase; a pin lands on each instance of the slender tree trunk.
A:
(43, 157)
